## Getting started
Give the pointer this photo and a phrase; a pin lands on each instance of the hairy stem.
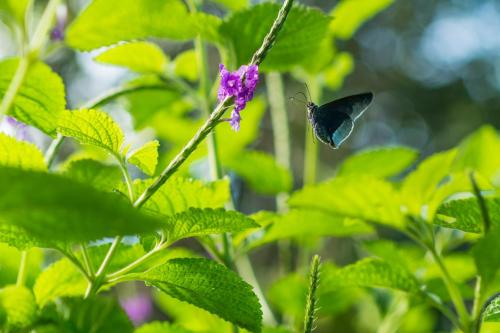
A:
(86, 260)
(312, 298)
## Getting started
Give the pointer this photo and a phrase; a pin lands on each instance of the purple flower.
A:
(241, 85)
(15, 128)
(139, 308)
(57, 34)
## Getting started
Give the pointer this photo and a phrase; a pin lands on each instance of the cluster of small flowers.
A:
(241, 85)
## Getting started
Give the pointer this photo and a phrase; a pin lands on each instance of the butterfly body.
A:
(333, 122)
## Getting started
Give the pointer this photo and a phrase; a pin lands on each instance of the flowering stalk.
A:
(217, 114)
(312, 299)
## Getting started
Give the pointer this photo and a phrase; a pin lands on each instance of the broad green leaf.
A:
(40, 99)
(359, 197)
(335, 74)
(142, 57)
(60, 209)
(492, 311)
(233, 4)
(419, 186)
(105, 22)
(92, 127)
(9, 264)
(372, 272)
(21, 239)
(207, 26)
(91, 172)
(143, 105)
(19, 305)
(465, 214)
(161, 327)
(98, 315)
(379, 162)
(486, 253)
(271, 177)
(303, 32)
(480, 152)
(186, 65)
(62, 278)
(199, 222)
(300, 224)
(20, 154)
(17, 7)
(349, 15)
(146, 157)
(179, 194)
(276, 330)
(210, 286)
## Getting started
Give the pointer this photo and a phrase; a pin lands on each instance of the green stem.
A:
(41, 34)
(453, 291)
(86, 260)
(311, 153)
(136, 262)
(443, 309)
(14, 86)
(281, 130)
(21, 275)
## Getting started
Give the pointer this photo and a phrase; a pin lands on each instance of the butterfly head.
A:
(311, 108)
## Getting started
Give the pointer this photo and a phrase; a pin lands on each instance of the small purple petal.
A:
(241, 85)
(57, 34)
(235, 120)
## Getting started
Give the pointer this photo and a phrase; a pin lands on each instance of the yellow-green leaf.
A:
(20, 154)
(93, 127)
(19, 304)
(186, 65)
(142, 57)
(146, 157)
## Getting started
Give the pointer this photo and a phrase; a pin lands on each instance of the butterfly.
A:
(333, 122)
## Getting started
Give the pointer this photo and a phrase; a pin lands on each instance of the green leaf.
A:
(210, 286)
(464, 214)
(421, 184)
(64, 210)
(492, 311)
(349, 15)
(104, 23)
(300, 224)
(161, 327)
(40, 99)
(98, 315)
(372, 272)
(271, 177)
(475, 152)
(359, 197)
(9, 264)
(92, 127)
(20, 154)
(302, 33)
(207, 26)
(186, 65)
(486, 253)
(91, 172)
(146, 157)
(199, 222)
(19, 305)
(379, 162)
(17, 7)
(179, 194)
(232, 4)
(142, 57)
(62, 278)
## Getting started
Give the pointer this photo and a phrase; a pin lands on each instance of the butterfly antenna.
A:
(308, 91)
(298, 100)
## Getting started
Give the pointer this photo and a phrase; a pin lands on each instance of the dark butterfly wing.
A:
(332, 128)
(353, 106)
(333, 122)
